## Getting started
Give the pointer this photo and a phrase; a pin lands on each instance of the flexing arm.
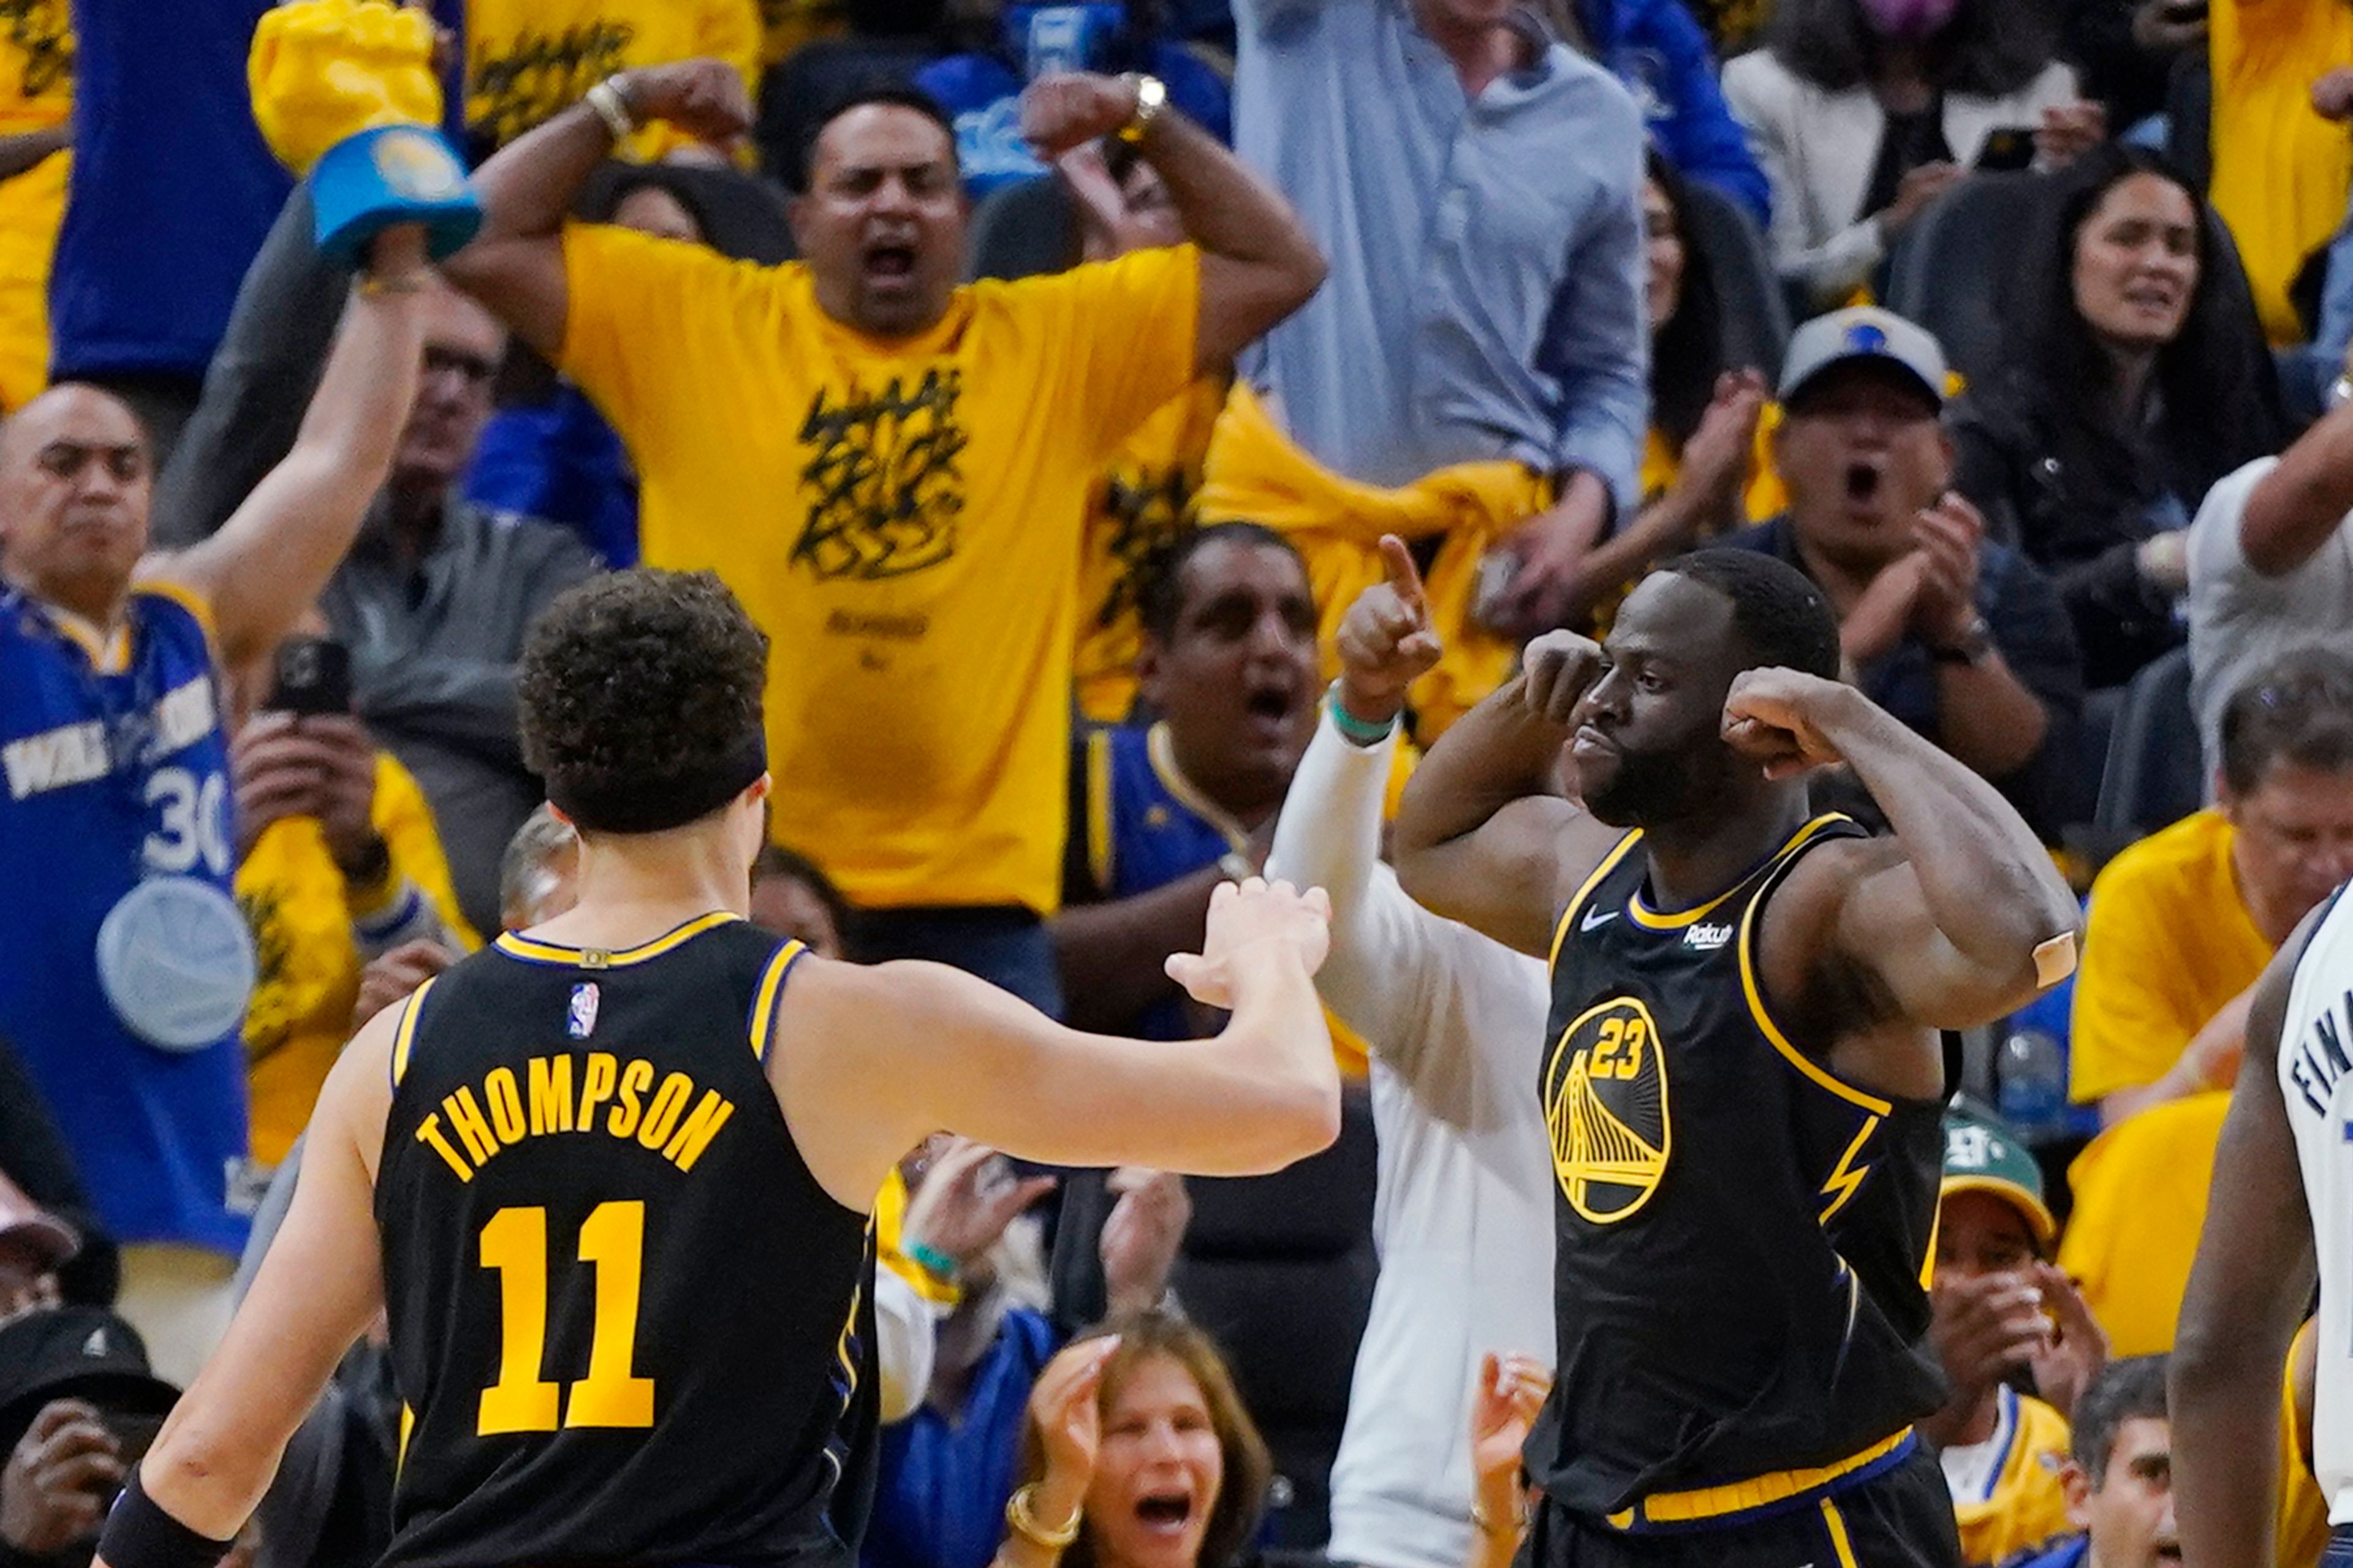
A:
(1258, 261)
(867, 1061)
(1483, 835)
(270, 558)
(1974, 918)
(515, 265)
(318, 1288)
(2299, 505)
(2247, 1289)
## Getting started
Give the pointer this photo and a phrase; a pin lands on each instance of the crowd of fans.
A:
(1056, 568)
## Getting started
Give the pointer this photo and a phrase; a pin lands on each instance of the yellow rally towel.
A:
(1254, 473)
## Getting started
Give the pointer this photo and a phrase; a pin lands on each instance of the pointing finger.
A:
(1397, 565)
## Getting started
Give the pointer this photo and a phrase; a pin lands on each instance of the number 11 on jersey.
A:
(613, 1242)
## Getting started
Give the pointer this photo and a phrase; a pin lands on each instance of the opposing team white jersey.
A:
(2315, 1075)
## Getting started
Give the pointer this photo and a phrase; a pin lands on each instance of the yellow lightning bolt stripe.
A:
(1846, 1178)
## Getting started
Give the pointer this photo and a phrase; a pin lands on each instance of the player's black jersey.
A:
(1742, 1239)
(629, 1326)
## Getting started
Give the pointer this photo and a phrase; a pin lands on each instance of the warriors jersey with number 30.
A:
(1740, 1235)
(115, 768)
(629, 1326)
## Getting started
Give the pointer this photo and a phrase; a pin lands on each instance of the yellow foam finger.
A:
(323, 71)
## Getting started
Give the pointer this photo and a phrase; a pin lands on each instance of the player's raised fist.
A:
(1780, 719)
(1386, 641)
(322, 71)
(1560, 668)
(704, 99)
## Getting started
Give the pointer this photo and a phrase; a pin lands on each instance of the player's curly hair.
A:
(640, 699)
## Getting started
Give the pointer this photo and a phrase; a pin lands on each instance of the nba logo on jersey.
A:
(582, 1018)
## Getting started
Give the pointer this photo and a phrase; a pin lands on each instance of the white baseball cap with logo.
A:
(1862, 332)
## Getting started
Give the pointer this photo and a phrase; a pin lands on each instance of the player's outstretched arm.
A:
(319, 1288)
(2247, 1291)
(270, 558)
(1971, 919)
(868, 1060)
(1483, 835)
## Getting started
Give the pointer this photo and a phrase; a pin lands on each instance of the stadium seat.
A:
(1021, 230)
(1750, 301)
(2155, 773)
(1948, 270)
(1279, 1270)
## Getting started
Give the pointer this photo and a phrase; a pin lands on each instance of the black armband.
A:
(140, 1534)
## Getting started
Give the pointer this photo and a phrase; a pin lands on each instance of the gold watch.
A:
(1151, 98)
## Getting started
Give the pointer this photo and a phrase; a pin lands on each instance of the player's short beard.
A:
(1655, 789)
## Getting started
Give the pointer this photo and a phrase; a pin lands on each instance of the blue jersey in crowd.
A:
(1663, 56)
(1137, 824)
(174, 188)
(116, 771)
(982, 91)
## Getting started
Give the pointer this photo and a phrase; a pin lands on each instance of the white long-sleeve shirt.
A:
(1462, 1213)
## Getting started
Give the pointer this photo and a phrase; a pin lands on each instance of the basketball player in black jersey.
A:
(610, 1176)
(1744, 1078)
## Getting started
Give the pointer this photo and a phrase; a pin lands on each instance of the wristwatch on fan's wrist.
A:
(1151, 98)
(1972, 647)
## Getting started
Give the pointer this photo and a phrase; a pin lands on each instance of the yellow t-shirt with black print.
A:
(1141, 504)
(37, 57)
(2281, 172)
(903, 519)
(786, 25)
(294, 898)
(529, 60)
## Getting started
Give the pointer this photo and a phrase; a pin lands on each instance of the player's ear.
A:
(2076, 1486)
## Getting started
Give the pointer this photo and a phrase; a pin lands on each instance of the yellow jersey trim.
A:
(109, 652)
(1651, 920)
(1754, 991)
(1585, 892)
(1846, 1177)
(1101, 846)
(1756, 1492)
(1835, 1523)
(188, 599)
(533, 951)
(404, 1036)
(764, 1003)
(1160, 750)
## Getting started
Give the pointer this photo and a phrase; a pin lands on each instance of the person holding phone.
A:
(79, 1405)
(338, 863)
(1865, 111)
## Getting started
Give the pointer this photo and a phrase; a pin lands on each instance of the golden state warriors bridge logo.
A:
(1606, 1108)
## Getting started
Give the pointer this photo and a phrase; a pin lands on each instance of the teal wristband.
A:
(1348, 724)
(931, 1260)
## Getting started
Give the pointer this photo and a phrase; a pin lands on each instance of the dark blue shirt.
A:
(174, 188)
(2031, 631)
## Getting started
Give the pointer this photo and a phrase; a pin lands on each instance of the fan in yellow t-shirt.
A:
(527, 60)
(891, 471)
(2281, 172)
(36, 107)
(2182, 923)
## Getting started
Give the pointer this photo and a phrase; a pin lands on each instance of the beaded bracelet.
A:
(1354, 728)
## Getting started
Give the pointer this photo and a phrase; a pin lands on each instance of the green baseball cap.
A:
(1981, 1155)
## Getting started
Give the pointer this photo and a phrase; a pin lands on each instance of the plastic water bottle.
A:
(2030, 1075)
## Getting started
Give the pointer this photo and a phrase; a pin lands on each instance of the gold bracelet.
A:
(1487, 1525)
(415, 282)
(1025, 1524)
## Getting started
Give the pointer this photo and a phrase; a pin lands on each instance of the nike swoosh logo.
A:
(1596, 918)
